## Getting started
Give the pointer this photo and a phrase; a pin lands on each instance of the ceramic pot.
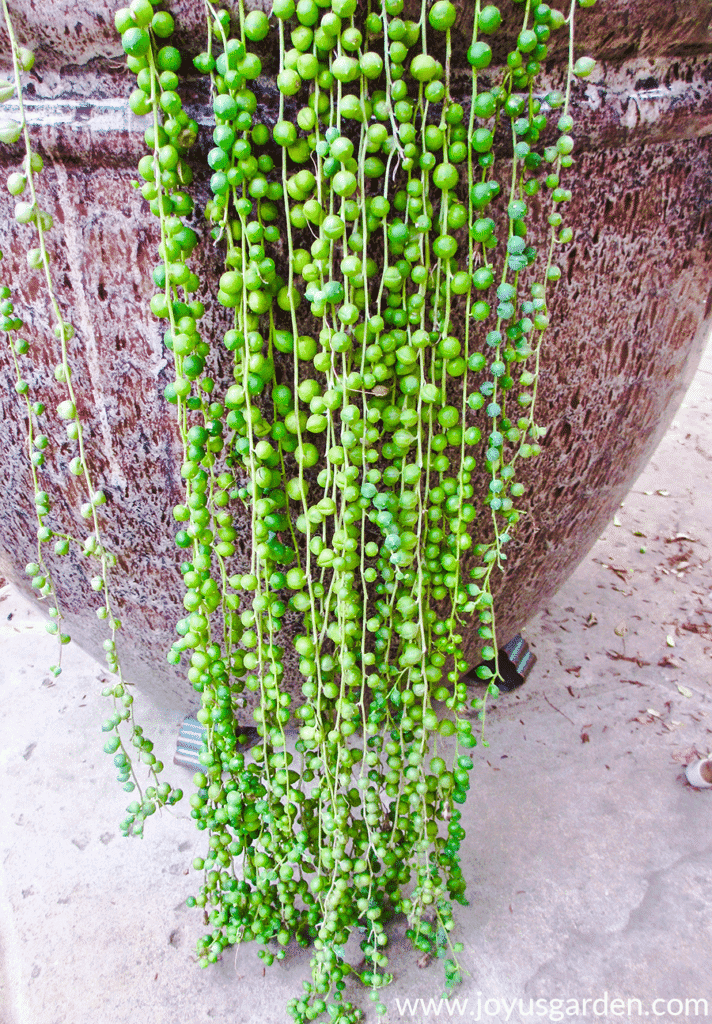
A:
(631, 312)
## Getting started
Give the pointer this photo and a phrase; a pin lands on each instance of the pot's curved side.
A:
(636, 303)
(633, 309)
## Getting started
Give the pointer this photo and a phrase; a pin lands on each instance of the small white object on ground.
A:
(699, 774)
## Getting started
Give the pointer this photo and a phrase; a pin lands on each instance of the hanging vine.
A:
(125, 732)
(387, 316)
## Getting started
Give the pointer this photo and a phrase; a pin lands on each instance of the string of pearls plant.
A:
(125, 732)
(387, 319)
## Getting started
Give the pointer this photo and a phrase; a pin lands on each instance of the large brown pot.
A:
(632, 309)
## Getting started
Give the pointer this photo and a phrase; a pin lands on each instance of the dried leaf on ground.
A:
(668, 662)
(617, 656)
(702, 629)
(621, 572)
(686, 756)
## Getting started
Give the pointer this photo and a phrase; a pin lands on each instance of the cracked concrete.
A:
(588, 856)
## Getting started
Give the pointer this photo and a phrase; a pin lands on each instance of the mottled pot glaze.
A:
(631, 312)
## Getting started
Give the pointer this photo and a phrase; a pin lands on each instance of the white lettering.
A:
(597, 1002)
(407, 1007)
(555, 1009)
(509, 1009)
(452, 1004)
(697, 1002)
(432, 1006)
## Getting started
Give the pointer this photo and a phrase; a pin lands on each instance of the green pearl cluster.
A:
(23, 185)
(38, 571)
(371, 251)
(376, 199)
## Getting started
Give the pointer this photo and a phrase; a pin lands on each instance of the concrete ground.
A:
(588, 857)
